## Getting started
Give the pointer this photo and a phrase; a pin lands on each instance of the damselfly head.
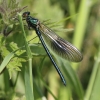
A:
(25, 14)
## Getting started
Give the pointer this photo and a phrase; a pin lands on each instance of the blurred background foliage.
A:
(81, 18)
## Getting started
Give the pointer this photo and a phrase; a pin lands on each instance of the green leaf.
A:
(29, 95)
(37, 49)
(6, 61)
(11, 54)
(15, 64)
(93, 89)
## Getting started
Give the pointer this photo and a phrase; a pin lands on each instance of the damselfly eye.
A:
(25, 14)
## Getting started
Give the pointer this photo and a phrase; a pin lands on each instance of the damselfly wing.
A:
(61, 47)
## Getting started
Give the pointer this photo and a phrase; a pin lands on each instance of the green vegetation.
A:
(26, 73)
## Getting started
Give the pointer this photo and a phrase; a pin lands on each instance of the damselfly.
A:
(58, 45)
